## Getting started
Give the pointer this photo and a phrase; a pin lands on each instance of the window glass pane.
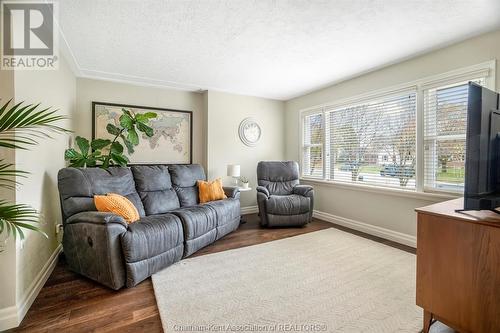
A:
(451, 159)
(312, 158)
(374, 142)
(445, 123)
(451, 110)
(315, 128)
(316, 162)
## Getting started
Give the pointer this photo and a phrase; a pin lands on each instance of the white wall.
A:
(7, 247)
(225, 112)
(216, 117)
(105, 91)
(22, 265)
(380, 209)
(25, 265)
(56, 89)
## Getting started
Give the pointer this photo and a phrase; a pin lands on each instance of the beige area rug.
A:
(327, 281)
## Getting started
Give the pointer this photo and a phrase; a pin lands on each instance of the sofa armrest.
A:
(304, 190)
(263, 190)
(92, 247)
(231, 191)
(96, 218)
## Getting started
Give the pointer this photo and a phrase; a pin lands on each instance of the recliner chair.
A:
(281, 199)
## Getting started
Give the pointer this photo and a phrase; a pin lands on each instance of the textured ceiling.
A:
(277, 49)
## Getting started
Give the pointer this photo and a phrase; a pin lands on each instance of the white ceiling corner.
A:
(275, 49)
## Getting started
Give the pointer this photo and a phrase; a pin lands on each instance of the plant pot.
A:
(244, 185)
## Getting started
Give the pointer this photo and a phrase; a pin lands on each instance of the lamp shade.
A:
(233, 170)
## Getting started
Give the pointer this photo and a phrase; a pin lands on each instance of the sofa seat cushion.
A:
(197, 220)
(228, 215)
(151, 236)
(200, 227)
(287, 204)
(225, 210)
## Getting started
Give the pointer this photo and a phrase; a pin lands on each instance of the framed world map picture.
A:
(171, 143)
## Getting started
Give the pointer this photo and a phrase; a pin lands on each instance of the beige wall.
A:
(7, 247)
(55, 89)
(216, 117)
(379, 209)
(225, 112)
(216, 142)
(22, 262)
(105, 91)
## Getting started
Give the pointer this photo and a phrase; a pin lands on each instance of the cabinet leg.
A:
(427, 321)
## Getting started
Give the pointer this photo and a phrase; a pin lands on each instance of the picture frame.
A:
(167, 147)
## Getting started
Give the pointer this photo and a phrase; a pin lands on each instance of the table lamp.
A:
(233, 170)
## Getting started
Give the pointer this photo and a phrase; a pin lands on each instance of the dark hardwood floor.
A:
(71, 303)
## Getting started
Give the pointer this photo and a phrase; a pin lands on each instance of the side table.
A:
(243, 189)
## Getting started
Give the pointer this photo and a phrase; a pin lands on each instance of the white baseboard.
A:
(8, 318)
(37, 284)
(249, 210)
(13, 316)
(370, 229)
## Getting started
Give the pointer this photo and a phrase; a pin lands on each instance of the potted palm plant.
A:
(21, 126)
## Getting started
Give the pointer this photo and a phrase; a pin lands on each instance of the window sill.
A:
(384, 190)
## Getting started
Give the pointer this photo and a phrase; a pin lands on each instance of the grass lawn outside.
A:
(452, 175)
(371, 169)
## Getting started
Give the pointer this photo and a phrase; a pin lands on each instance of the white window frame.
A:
(304, 146)
(437, 138)
(486, 69)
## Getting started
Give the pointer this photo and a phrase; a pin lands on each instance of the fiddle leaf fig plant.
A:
(107, 152)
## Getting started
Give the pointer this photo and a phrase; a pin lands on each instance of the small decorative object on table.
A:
(244, 182)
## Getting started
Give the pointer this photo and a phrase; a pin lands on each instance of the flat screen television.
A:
(482, 160)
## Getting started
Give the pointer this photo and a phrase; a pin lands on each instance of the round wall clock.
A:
(249, 132)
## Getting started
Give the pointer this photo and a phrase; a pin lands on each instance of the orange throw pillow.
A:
(210, 191)
(117, 204)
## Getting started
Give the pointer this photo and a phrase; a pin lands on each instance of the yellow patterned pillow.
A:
(210, 191)
(117, 204)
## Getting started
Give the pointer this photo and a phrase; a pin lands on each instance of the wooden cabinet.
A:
(458, 267)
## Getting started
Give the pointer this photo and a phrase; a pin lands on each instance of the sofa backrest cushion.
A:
(184, 179)
(154, 185)
(279, 177)
(77, 187)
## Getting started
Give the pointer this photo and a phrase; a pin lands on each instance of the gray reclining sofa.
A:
(173, 225)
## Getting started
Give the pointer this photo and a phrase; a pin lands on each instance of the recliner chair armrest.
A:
(231, 191)
(96, 218)
(304, 190)
(262, 189)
